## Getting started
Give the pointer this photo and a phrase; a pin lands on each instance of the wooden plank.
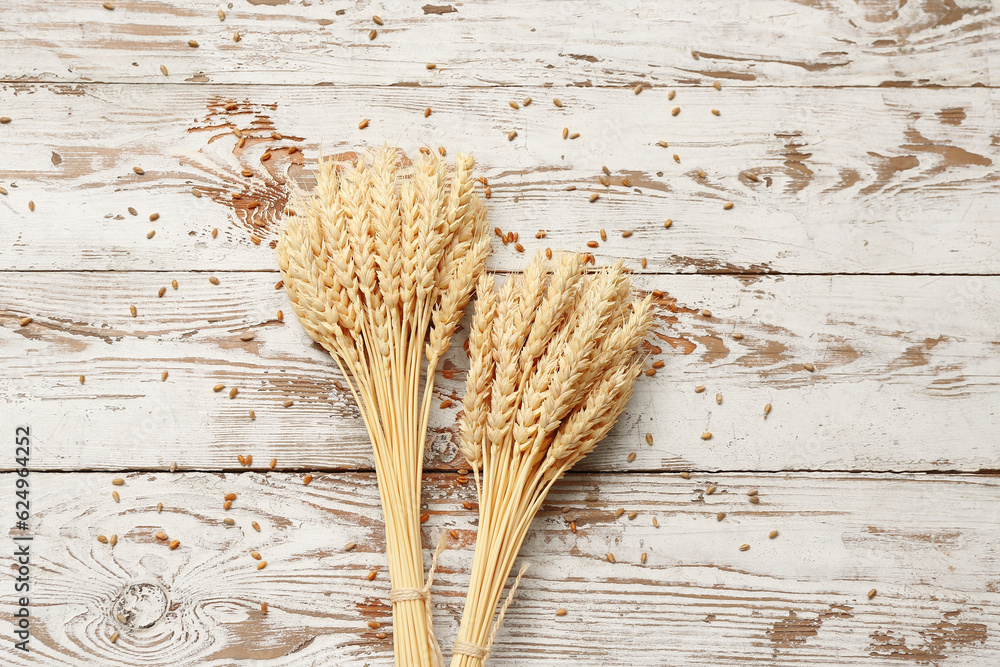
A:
(865, 181)
(906, 377)
(926, 543)
(506, 42)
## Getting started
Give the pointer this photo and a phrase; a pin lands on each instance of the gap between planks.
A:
(498, 86)
(507, 272)
(985, 472)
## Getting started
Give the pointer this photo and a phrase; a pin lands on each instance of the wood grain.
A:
(926, 543)
(854, 181)
(506, 42)
(906, 375)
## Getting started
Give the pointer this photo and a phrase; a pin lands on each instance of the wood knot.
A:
(140, 605)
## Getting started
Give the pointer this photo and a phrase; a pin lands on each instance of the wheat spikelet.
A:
(563, 367)
(477, 396)
(379, 261)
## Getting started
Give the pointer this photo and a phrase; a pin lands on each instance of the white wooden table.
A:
(858, 142)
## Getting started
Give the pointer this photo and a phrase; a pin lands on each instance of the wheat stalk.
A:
(562, 368)
(379, 261)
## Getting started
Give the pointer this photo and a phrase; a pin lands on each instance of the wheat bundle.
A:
(379, 262)
(552, 364)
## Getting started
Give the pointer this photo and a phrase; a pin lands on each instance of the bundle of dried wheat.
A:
(379, 263)
(552, 365)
